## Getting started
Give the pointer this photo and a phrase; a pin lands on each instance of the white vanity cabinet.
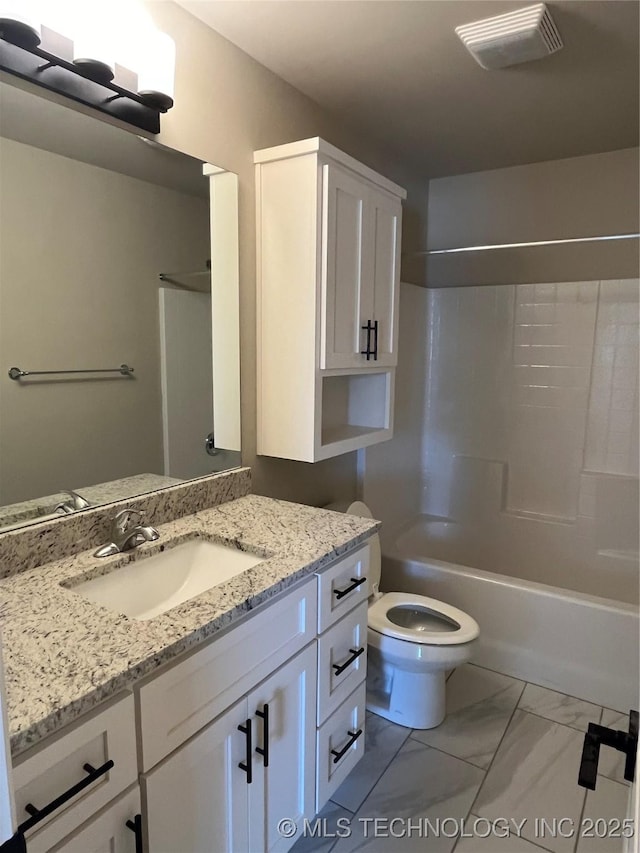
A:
(76, 774)
(328, 270)
(284, 745)
(236, 779)
(211, 753)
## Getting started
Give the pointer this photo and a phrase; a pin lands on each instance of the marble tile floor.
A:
(496, 777)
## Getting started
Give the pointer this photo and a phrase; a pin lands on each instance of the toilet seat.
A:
(450, 626)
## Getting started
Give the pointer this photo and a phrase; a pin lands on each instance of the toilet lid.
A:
(375, 557)
(423, 620)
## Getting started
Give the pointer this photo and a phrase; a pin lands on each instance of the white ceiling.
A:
(397, 71)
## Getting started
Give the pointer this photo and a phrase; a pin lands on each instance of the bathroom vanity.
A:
(204, 725)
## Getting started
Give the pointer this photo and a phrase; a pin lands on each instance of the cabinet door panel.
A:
(286, 787)
(108, 831)
(386, 216)
(343, 269)
(197, 800)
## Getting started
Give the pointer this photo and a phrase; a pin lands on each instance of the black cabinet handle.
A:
(264, 750)
(353, 737)
(597, 736)
(355, 654)
(356, 582)
(39, 814)
(135, 826)
(246, 765)
(375, 340)
(368, 352)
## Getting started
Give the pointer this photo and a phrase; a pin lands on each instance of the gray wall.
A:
(81, 249)
(578, 197)
(226, 106)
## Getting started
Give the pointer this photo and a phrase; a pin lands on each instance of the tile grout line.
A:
(622, 782)
(497, 749)
(584, 805)
(386, 767)
(444, 752)
(544, 687)
(527, 840)
(556, 722)
(333, 803)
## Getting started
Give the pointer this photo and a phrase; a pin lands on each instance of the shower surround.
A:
(531, 432)
(519, 404)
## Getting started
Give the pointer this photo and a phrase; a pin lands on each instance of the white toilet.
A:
(413, 642)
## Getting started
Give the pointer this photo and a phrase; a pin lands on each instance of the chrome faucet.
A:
(125, 536)
(74, 503)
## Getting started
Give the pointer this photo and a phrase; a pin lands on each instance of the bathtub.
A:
(580, 644)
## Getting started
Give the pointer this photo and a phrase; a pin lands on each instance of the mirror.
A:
(111, 250)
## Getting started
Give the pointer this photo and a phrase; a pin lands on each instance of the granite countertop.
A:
(64, 655)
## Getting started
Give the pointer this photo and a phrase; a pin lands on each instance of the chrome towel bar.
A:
(16, 373)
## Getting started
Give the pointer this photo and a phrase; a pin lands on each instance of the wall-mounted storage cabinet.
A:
(328, 286)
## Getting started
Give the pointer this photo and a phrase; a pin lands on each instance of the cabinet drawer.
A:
(189, 695)
(338, 750)
(342, 586)
(342, 660)
(108, 830)
(47, 773)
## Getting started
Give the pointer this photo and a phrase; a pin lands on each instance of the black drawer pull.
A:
(39, 814)
(246, 765)
(355, 654)
(353, 737)
(135, 826)
(375, 338)
(264, 750)
(340, 593)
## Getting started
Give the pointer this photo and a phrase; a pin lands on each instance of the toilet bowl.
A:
(413, 641)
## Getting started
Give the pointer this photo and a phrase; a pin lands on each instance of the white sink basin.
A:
(148, 587)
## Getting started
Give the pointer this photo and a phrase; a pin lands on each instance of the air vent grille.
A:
(520, 36)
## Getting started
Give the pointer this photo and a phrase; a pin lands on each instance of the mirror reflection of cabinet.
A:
(91, 215)
(328, 289)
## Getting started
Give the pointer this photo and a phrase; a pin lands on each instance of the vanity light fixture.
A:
(125, 72)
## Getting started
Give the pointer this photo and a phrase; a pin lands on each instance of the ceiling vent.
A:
(511, 38)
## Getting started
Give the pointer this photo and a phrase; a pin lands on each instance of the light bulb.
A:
(156, 70)
(93, 52)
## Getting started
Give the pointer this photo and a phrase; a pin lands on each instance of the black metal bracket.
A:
(264, 750)
(597, 736)
(39, 814)
(355, 654)
(57, 75)
(339, 753)
(356, 582)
